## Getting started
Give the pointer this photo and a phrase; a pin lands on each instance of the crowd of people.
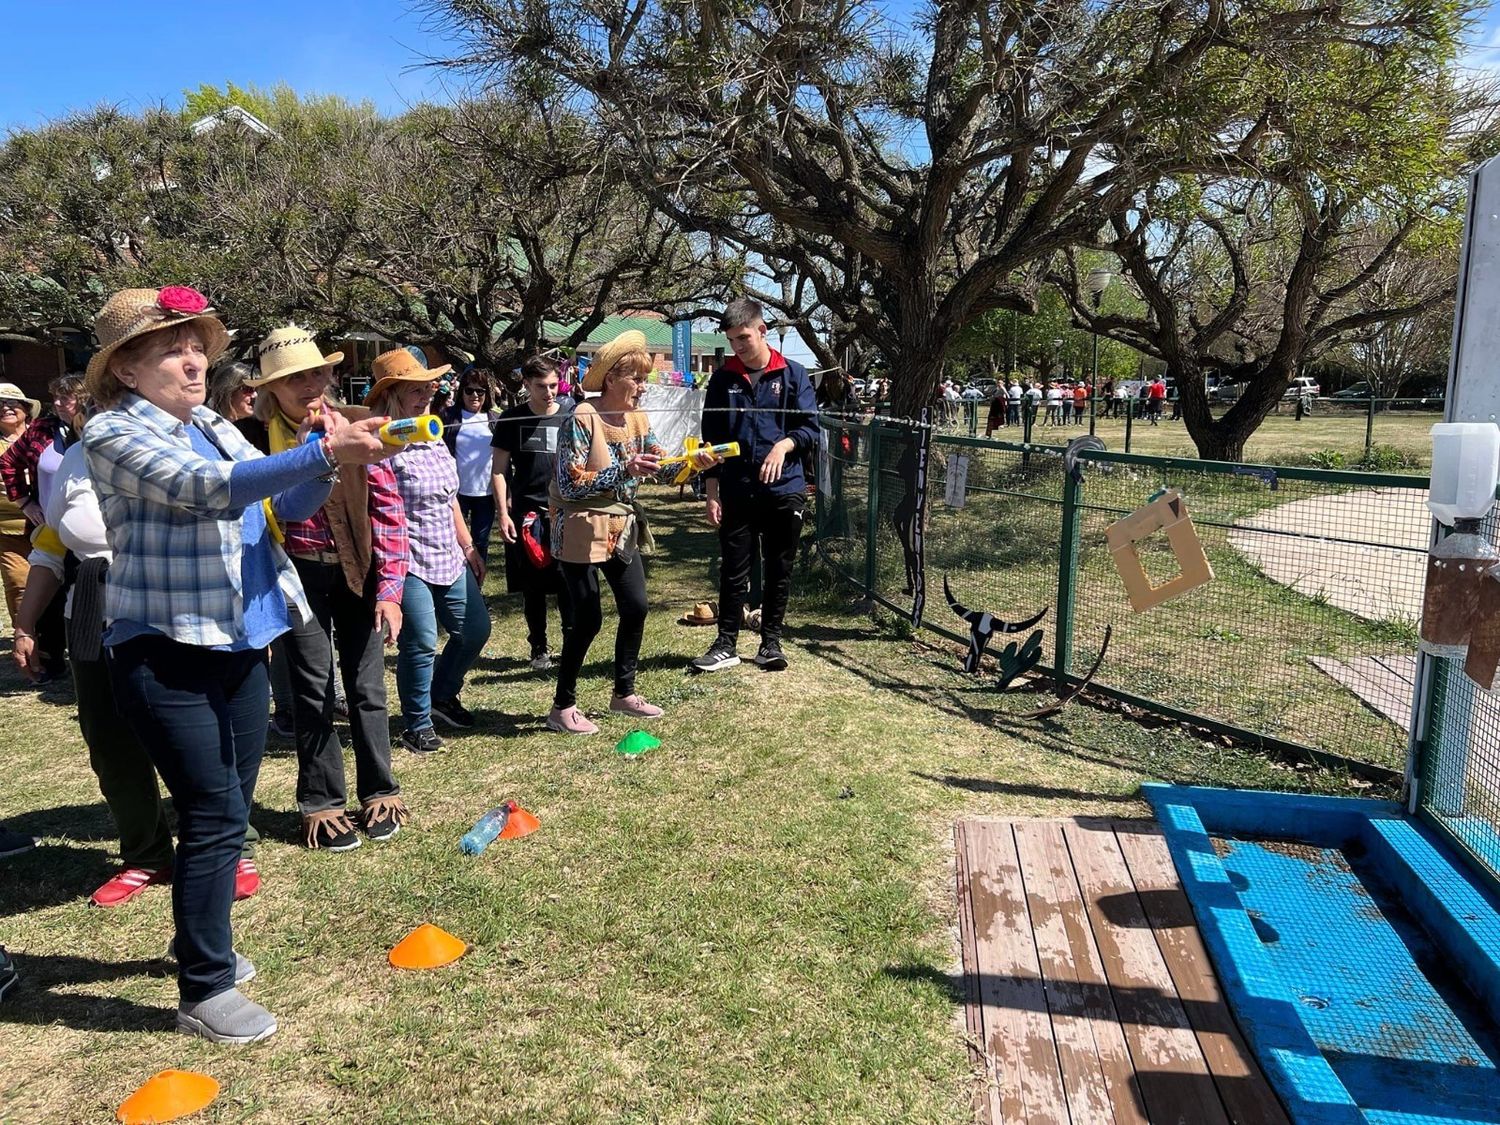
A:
(206, 540)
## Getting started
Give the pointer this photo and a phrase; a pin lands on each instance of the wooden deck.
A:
(1090, 997)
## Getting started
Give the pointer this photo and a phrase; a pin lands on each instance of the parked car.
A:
(1359, 390)
(1302, 385)
(1225, 391)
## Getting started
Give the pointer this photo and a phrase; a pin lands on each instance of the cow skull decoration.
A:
(983, 626)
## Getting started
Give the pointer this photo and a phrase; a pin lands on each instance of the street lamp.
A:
(1095, 284)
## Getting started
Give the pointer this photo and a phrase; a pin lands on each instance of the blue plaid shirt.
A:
(177, 543)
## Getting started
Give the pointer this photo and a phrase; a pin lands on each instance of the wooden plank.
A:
(1096, 1070)
(1018, 1031)
(986, 1093)
(1246, 1094)
(1170, 1069)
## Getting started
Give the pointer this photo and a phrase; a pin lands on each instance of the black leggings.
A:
(581, 586)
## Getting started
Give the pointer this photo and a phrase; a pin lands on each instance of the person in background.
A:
(1106, 396)
(186, 641)
(605, 449)
(231, 391)
(1080, 402)
(764, 402)
(27, 470)
(351, 557)
(522, 469)
(446, 571)
(1156, 394)
(1054, 405)
(995, 416)
(468, 429)
(1121, 402)
(16, 413)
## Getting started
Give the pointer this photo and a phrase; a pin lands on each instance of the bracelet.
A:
(332, 476)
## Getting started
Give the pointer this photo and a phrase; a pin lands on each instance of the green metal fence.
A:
(1304, 642)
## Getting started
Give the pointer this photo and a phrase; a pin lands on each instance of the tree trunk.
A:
(1224, 440)
(915, 375)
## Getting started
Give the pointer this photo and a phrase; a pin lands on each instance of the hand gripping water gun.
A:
(691, 446)
(401, 431)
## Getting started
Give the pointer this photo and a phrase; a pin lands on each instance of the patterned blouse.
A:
(427, 478)
(592, 536)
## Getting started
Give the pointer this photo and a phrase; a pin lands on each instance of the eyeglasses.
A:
(9, 404)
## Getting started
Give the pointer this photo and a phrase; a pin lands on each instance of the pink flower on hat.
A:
(181, 299)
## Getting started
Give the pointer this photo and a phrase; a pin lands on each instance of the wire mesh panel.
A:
(1307, 632)
(843, 495)
(1459, 779)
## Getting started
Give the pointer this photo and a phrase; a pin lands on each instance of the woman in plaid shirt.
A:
(196, 591)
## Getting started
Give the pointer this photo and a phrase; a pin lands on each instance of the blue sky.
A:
(74, 54)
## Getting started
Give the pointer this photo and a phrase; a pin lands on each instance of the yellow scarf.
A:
(282, 435)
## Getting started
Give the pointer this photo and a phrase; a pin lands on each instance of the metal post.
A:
(1094, 385)
(1370, 425)
(1067, 569)
(872, 508)
(1129, 413)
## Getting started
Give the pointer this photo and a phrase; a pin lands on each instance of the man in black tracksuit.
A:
(766, 403)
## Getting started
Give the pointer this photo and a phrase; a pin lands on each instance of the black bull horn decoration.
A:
(983, 626)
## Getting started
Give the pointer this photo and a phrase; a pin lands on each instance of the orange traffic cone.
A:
(427, 947)
(168, 1096)
(521, 823)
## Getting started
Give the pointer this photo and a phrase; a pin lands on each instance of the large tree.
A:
(1337, 226)
(469, 226)
(948, 161)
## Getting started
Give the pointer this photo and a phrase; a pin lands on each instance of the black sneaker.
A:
(424, 741)
(281, 726)
(770, 657)
(330, 833)
(720, 655)
(452, 712)
(14, 843)
(382, 817)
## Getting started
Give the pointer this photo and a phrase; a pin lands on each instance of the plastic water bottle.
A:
(486, 829)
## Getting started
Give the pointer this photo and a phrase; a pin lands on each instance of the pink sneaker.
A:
(570, 721)
(634, 706)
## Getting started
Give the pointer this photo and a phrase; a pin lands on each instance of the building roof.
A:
(658, 333)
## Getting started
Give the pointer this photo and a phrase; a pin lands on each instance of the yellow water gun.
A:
(693, 446)
(402, 431)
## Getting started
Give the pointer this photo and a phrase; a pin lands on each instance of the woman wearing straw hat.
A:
(351, 555)
(604, 452)
(16, 413)
(196, 590)
(446, 572)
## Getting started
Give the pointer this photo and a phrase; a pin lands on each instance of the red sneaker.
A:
(246, 879)
(127, 884)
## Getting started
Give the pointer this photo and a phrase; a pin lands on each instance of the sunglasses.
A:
(8, 404)
(473, 390)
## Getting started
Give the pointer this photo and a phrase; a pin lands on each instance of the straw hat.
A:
(134, 312)
(13, 393)
(400, 366)
(610, 354)
(286, 351)
(703, 613)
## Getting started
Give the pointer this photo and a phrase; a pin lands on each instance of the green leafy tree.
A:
(919, 176)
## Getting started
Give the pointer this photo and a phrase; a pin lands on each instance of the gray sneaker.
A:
(244, 968)
(9, 977)
(229, 1017)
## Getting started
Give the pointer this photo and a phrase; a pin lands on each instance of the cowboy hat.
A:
(610, 354)
(400, 366)
(134, 312)
(703, 613)
(9, 391)
(288, 350)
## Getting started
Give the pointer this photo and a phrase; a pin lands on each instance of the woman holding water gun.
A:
(446, 570)
(352, 558)
(604, 452)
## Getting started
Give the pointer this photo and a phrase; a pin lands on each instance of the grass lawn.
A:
(1280, 440)
(754, 922)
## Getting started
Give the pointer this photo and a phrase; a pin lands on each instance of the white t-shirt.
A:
(473, 446)
(1034, 394)
(1015, 392)
(46, 468)
(1054, 395)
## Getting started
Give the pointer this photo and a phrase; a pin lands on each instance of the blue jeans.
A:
(479, 513)
(421, 674)
(201, 715)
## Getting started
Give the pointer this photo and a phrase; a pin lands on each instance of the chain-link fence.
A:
(1305, 640)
